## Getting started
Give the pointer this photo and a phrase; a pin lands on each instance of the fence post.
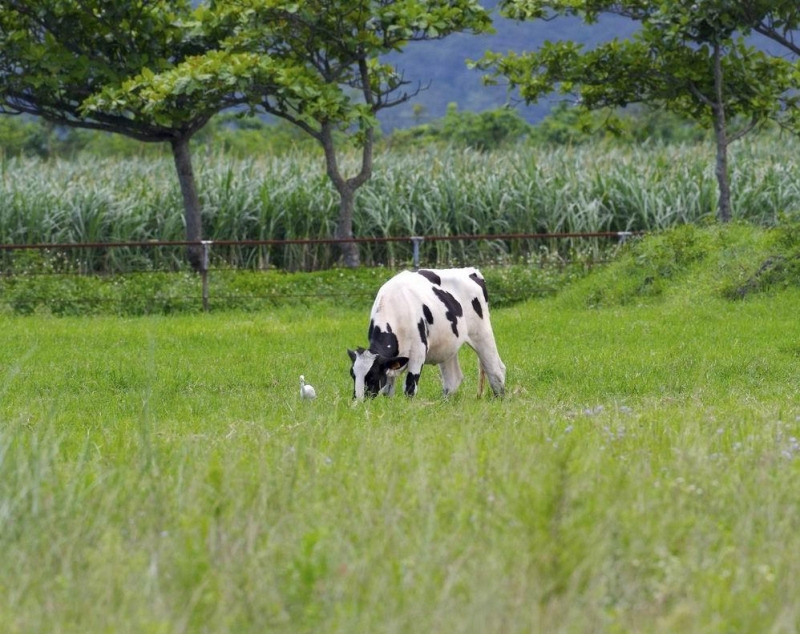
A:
(206, 244)
(623, 236)
(415, 242)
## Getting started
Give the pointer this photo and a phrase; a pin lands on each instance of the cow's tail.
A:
(481, 381)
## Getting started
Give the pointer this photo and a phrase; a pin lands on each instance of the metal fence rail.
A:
(620, 235)
(414, 241)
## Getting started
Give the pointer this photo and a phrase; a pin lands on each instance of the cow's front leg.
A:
(412, 379)
(451, 375)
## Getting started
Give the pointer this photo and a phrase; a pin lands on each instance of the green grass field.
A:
(160, 474)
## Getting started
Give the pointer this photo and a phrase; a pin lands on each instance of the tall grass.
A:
(425, 192)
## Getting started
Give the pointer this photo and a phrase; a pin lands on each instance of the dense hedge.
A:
(733, 262)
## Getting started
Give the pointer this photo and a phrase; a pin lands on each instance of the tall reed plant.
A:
(424, 192)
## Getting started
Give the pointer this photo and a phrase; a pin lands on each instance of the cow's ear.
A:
(395, 365)
(352, 355)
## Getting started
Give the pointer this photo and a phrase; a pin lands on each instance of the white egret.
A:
(307, 392)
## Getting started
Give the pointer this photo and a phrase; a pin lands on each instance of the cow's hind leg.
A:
(491, 364)
(451, 375)
(496, 373)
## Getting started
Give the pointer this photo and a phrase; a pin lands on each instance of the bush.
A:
(570, 125)
(691, 262)
(23, 137)
(483, 131)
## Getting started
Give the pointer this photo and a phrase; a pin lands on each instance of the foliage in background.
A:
(567, 124)
(339, 45)
(488, 130)
(71, 63)
(44, 290)
(228, 134)
(243, 137)
(687, 57)
(24, 137)
(103, 66)
(428, 192)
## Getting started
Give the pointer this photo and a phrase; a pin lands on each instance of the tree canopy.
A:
(340, 43)
(56, 56)
(157, 71)
(689, 57)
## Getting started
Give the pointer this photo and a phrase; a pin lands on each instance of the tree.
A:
(340, 43)
(779, 21)
(689, 57)
(56, 54)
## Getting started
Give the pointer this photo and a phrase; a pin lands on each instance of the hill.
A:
(440, 66)
(692, 264)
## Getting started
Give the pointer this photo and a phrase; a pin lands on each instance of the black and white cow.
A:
(425, 317)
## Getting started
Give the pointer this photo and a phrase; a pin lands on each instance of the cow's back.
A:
(465, 284)
(468, 287)
(432, 310)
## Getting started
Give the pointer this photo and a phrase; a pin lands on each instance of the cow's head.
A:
(371, 371)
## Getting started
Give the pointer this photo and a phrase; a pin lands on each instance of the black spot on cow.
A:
(430, 276)
(453, 308)
(375, 379)
(428, 314)
(482, 283)
(412, 380)
(369, 330)
(382, 343)
(476, 305)
(423, 332)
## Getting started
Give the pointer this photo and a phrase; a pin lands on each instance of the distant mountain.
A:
(440, 66)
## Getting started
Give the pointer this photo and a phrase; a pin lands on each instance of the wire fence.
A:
(218, 258)
(302, 253)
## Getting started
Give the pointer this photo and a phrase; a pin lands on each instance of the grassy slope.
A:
(159, 474)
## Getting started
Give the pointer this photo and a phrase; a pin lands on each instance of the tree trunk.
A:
(721, 170)
(347, 191)
(721, 136)
(191, 200)
(347, 187)
(344, 227)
